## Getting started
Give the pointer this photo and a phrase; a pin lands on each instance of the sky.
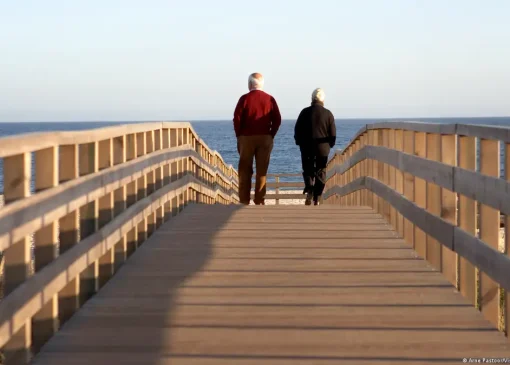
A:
(126, 60)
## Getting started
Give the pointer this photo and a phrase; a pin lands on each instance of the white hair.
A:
(255, 83)
(318, 95)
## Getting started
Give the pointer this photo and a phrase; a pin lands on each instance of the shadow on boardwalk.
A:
(275, 285)
(130, 320)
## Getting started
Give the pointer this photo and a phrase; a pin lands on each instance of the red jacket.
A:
(256, 113)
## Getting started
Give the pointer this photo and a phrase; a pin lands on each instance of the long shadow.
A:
(129, 313)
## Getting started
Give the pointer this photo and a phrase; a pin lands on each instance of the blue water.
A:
(219, 136)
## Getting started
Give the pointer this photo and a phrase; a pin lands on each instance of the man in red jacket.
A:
(256, 122)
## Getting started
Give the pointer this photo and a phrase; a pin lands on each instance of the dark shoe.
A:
(316, 200)
(308, 200)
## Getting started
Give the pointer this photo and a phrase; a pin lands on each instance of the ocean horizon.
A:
(219, 135)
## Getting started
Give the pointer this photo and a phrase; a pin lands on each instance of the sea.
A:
(219, 136)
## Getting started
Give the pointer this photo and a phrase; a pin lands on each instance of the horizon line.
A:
(230, 119)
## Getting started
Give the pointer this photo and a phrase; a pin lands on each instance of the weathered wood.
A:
(449, 259)
(226, 301)
(420, 194)
(14, 219)
(38, 291)
(495, 264)
(399, 179)
(489, 190)
(433, 152)
(17, 265)
(489, 230)
(89, 220)
(69, 232)
(45, 323)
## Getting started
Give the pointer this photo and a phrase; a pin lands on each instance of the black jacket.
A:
(315, 125)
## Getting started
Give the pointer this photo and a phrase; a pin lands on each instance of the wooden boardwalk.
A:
(221, 285)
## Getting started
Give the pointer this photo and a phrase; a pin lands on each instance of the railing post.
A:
(158, 146)
(392, 180)
(120, 148)
(489, 231)
(467, 220)
(449, 209)
(131, 154)
(141, 150)
(88, 155)
(399, 179)
(277, 190)
(380, 173)
(357, 173)
(375, 170)
(69, 235)
(17, 175)
(386, 176)
(420, 194)
(165, 143)
(106, 213)
(433, 151)
(409, 187)
(45, 323)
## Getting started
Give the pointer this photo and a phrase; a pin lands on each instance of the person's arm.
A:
(238, 112)
(332, 130)
(298, 129)
(276, 118)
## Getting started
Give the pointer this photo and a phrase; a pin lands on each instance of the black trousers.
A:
(314, 159)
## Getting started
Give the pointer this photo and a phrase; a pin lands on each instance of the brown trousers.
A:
(249, 147)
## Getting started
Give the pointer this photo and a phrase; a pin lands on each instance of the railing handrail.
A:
(98, 192)
(428, 180)
(501, 133)
(29, 142)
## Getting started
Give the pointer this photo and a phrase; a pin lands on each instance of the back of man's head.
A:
(256, 81)
(318, 95)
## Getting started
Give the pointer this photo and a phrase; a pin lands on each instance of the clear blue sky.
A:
(189, 60)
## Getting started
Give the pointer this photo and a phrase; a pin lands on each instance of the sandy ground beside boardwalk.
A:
(284, 201)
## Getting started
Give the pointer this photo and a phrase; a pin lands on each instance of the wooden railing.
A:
(274, 182)
(423, 178)
(98, 195)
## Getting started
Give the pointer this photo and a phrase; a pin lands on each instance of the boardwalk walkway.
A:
(220, 285)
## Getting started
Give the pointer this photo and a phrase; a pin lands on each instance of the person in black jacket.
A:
(315, 134)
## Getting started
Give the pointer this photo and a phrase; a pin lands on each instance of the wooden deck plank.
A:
(217, 285)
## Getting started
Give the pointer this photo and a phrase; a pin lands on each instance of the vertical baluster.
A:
(420, 194)
(106, 213)
(88, 155)
(120, 148)
(158, 145)
(141, 150)
(449, 208)
(433, 151)
(392, 179)
(69, 233)
(45, 323)
(380, 172)
(409, 187)
(375, 171)
(131, 154)
(151, 175)
(489, 230)
(467, 219)
(386, 175)
(17, 258)
(277, 189)
(399, 179)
